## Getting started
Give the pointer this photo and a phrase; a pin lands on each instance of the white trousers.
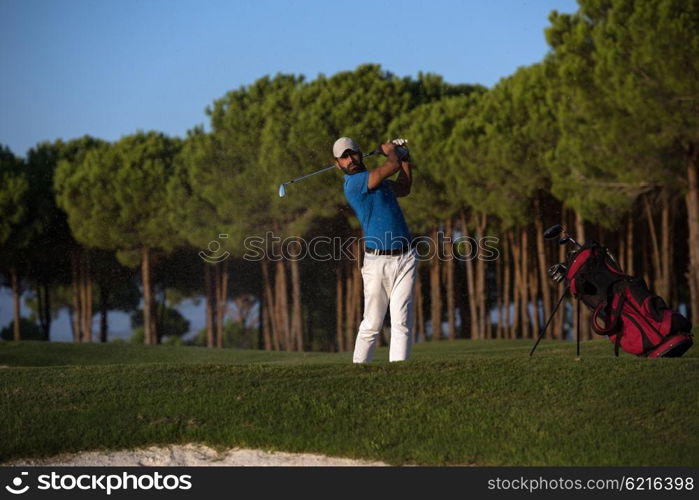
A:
(388, 280)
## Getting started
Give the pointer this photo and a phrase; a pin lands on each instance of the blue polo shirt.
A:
(378, 212)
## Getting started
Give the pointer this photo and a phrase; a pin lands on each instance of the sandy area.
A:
(190, 455)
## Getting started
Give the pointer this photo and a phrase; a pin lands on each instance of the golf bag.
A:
(623, 308)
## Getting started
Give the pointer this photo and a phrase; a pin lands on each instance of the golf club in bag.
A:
(282, 187)
(623, 308)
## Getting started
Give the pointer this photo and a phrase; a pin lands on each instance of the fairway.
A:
(455, 403)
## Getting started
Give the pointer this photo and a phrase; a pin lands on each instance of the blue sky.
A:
(109, 68)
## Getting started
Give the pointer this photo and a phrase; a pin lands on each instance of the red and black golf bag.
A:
(623, 308)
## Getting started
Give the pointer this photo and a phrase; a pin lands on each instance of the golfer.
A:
(390, 263)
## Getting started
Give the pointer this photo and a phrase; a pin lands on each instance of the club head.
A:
(282, 190)
(563, 241)
(553, 232)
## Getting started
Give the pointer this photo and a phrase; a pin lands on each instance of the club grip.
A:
(402, 152)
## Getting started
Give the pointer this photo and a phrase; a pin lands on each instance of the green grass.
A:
(455, 403)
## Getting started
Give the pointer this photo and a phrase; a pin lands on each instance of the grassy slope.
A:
(458, 402)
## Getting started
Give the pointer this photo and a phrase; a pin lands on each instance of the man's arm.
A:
(401, 186)
(390, 167)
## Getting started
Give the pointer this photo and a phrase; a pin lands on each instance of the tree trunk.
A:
(534, 294)
(210, 305)
(516, 289)
(500, 294)
(621, 254)
(86, 336)
(16, 293)
(585, 316)
(359, 288)
(218, 331)
(666, 225)
(647, 251)
(339, 310)
(90, 284)
(264, 327)
(161, 307)
(272, 338)
(43, 296)
(149, 333)
(82, 286)
(87, 299)
(481, 293)
(224, 297)
(75, 313)
(40, 306)
(282, 297)
(629, 247)
(47, 312)
(558, 322)
(208, 286)
(507, 287)
(668, 221)
(104, 324)
(435, 288)
(419, 317)
(543, 267)
(449, 278)
(657, 282)
(692, 202)
(353, 297)
(296, 314)
(524, 283)
(221, 301)
(470, 282)
(535, 290)
(349, 306)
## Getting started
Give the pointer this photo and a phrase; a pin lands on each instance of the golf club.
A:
(282, 186)
(557, 230)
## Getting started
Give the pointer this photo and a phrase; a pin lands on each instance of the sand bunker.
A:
(190, 455)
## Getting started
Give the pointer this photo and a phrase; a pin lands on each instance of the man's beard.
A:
(359, 168)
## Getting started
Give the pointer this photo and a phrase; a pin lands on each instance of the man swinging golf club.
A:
(390, 263)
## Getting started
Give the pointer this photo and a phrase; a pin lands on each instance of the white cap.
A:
(343, 144)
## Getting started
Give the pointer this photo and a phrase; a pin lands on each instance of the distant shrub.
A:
(170, 322)
(28, 330)
(172, 341)
(138, 336)
(234, 335)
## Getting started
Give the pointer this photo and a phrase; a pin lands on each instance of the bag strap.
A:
(617, 343)
(613, 318)
(614, 315)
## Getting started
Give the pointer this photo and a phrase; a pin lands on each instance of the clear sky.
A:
(108, 68)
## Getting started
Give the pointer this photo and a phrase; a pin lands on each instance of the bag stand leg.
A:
(543, 330)
(577, 329)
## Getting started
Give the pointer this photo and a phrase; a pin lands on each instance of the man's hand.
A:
(398, 161)
(401, 186)
(402, 148)
(398, 145)
(387, 148)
